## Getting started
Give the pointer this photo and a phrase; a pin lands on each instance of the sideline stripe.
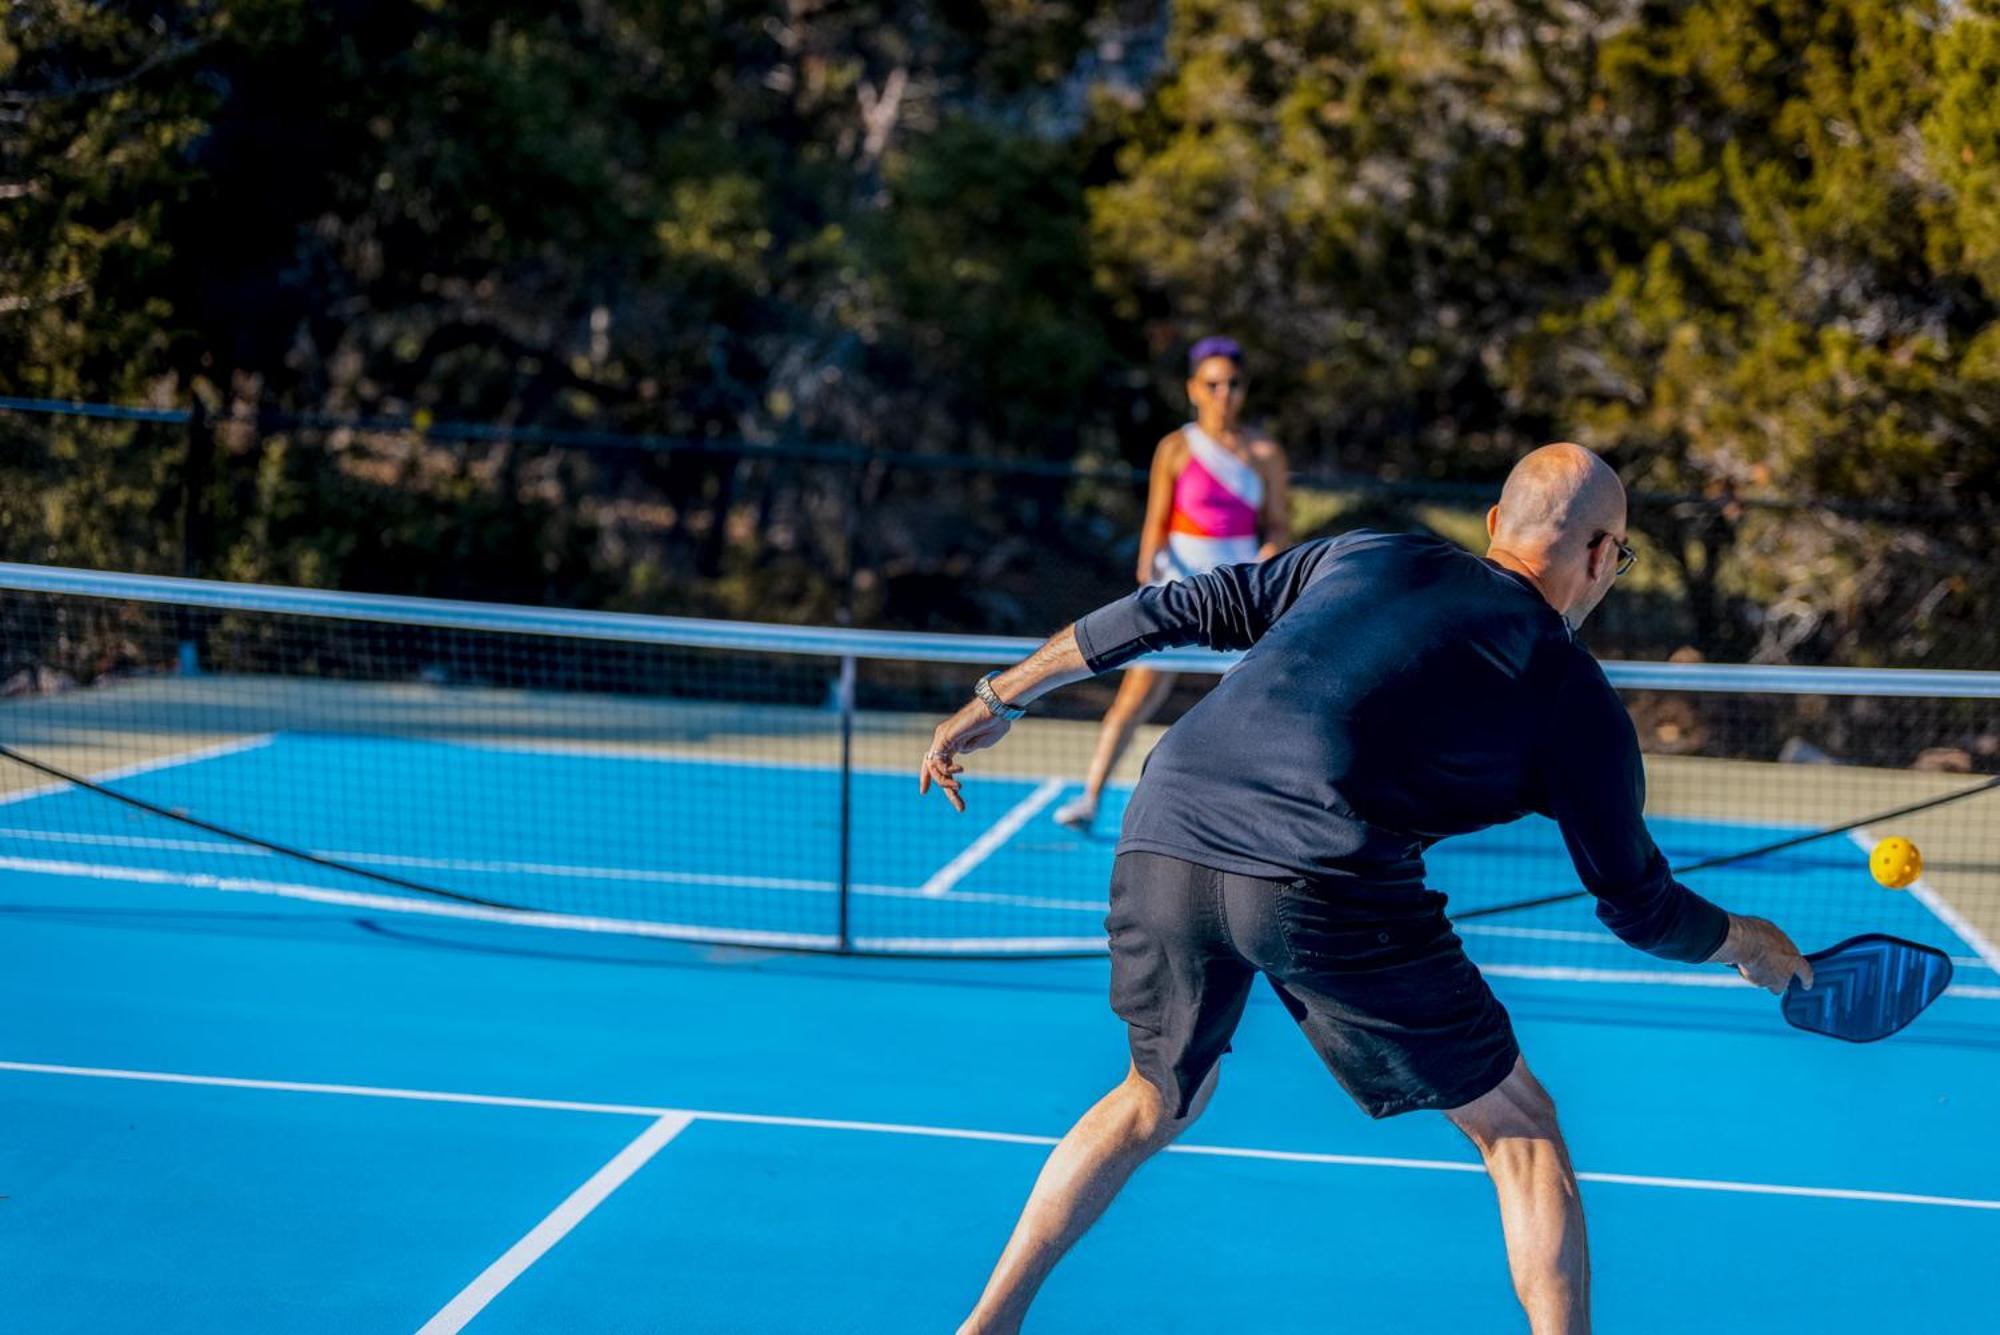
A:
(428, 908)
(940, 885)
(966, 1133)
(474, 1297)
(982, 945)
(1566, 974)
(928, 945)
(1605, 938)
(551, 870)
(1562, 973)
(1615, 1179)
(982, 848)
(349, 1091)
(752, 937)
(194, 757)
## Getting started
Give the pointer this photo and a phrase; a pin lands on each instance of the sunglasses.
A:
(1627, 558)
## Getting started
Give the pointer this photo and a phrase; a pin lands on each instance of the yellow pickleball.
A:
(1896, 862)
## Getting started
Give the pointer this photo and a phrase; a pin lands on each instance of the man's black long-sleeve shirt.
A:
(1396, 690)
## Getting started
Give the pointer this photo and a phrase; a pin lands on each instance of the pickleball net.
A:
(754, 785)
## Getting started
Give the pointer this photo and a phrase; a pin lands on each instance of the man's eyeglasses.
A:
(1627, 558)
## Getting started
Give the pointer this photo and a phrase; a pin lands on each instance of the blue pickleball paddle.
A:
(1867, 987)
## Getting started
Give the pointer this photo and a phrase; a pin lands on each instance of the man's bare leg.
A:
(1514, 1127)
(1083, 1173)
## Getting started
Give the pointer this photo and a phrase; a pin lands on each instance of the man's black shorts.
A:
(1375, 977)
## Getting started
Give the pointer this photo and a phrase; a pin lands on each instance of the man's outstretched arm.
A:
(1227, 608)
(1596, 790)
(1057, 663)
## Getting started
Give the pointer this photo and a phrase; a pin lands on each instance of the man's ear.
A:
(1492, 522)
(1600, 555)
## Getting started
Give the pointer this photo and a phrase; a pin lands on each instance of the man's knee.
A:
(1518, 1108)
(1151, 1113)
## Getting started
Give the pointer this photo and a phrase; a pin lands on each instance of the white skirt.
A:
(1191, 554)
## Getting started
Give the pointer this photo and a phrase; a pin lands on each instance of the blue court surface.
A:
(245, 1093)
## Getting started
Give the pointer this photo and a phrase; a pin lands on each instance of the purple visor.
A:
(1215, 346)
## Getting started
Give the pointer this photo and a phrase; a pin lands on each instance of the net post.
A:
(194, 521)
(844, 616)
(846, 695)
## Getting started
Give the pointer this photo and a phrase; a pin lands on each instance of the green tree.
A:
(1370, 196)
(1785, 309)
(633, 215)
(1746, 248)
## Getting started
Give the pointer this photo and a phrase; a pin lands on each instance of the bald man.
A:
(1396, 690)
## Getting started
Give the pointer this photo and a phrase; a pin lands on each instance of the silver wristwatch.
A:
(983, 688)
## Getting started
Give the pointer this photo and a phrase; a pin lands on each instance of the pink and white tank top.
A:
(1217, 500)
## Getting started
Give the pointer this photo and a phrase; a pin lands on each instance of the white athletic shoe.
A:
(1079, 814)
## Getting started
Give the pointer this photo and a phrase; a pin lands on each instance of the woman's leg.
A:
(1139, 697)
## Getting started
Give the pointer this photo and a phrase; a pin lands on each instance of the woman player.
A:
(1217, 496)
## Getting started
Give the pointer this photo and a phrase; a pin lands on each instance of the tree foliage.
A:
(1741, 247)
(1749, 248)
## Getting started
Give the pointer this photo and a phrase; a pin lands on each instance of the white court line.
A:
(1720, 978)
(1619, 1179)
(998, 833)
(474, 1297)
(928, 945)
(968, 1133)
(644, 874)
(490, 867)
(1605, 938)
(1942, 908)
(349, 1091)
(750, 937)
(981, 945)
(214, 752)
(588, 872)
(428, 908)
(226, 847)
(1536, 933)
(1562, 973)
(939, 885)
